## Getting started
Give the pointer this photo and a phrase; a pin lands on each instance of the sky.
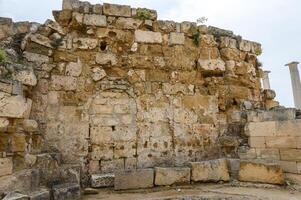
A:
(276, 24)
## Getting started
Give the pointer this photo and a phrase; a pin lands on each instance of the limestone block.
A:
(6, 166)
(176, 38)
(261, 129)
(26, 77)
(102, 180)
(227, 42)
(171, 176)
(268, 154)
(85, 43)
(112, 166)
(63, 82)
(18, 143)
(63, 17)
(290, 154)
(14, 106)
(128, 23)
(41, 40)
(288, 166)
(74, 68)
(134, 180)
(260, 173)
(106, 59)
(98, 73)
(281, 142)
(148, 37)
(6, 27)
(71, 4)
(55, 26)
(269, 94)
(103, 152)
(68, 191)
(258, 142)
(212, 66)
(288, 128)
(3, 124)
(97, 9)
(230, 54)
(207, 171)
(36, 58)
(101, 135)
(95, 20)
(117, 10)
(30, 125)
(245, 45)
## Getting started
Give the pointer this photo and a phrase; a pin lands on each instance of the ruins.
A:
(109, 96)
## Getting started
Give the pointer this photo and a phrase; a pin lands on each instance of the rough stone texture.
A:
(117, 10)
(261, 173)
(43, 194)
(176, 38)
(134, 179)
(95, 20)
(148, 37)
(14, 106)
(6, 166)
(210, 171)
(102, 181)
(172, 176)
(67, 191)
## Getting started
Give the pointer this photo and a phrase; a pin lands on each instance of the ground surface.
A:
(201, 192)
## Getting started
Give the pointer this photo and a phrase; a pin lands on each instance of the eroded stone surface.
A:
(134, 179)
(171, 176)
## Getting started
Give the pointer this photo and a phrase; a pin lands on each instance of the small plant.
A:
(143, 14)
(201, 20)
(3, 57)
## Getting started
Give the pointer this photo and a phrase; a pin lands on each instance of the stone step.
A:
(67, 191)
(260, 173)
(138, 179)
(210, 171)
(102, 180)
(172, 176)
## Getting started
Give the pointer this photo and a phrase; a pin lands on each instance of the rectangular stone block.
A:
(288, 128)
(63, 83)
(268, 154)
(176, 38)
(134, 179)
(117, 10)
(210, 171)
(260, 173)
(261, 129)
(257, 142)
(95, 20)
(148, 37)
(281, 142)
(246, 154)
(14, 106)
(288, 166)
(69, 191)
(290, 154)
(6, 166)
(102, 180)
(171, 176)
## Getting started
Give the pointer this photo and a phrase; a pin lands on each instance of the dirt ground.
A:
(201, 192)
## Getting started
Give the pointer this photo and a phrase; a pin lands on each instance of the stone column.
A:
(296, 85)
(266, 80)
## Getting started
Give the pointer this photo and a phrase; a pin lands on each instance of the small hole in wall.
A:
(103, 45)
(113, 128)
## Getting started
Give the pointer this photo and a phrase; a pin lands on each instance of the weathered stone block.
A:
(26, 77)
(176, 38)
(102, 180)
(70, 4)
(36, 58)
(207, 171)
(3, 124)
(117, 10)
(6, 166)
(30, 125)
(85, 43)
(260, 129)
(290, 154)
(228, 42)
(69, 191)
(128, 23)
(171, 176)
(63, 82)
(288, 128)
(268, 154)
(148, 37)
(74, 69)
(14, 106)
(281, 142)
(260, 173)
(288, 166)
(213, 66)
(95, 20)
(134, 179)
(257, 142)
(106, 58)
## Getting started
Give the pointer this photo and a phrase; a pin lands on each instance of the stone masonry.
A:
(109, 89)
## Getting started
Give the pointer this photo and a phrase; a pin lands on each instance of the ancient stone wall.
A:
(113, 88)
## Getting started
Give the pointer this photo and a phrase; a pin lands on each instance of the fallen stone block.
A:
(260, 173)
(134, 179)
(69, 191)
(42, 194)
(171, 176)
(210, 171)
(102, 180)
